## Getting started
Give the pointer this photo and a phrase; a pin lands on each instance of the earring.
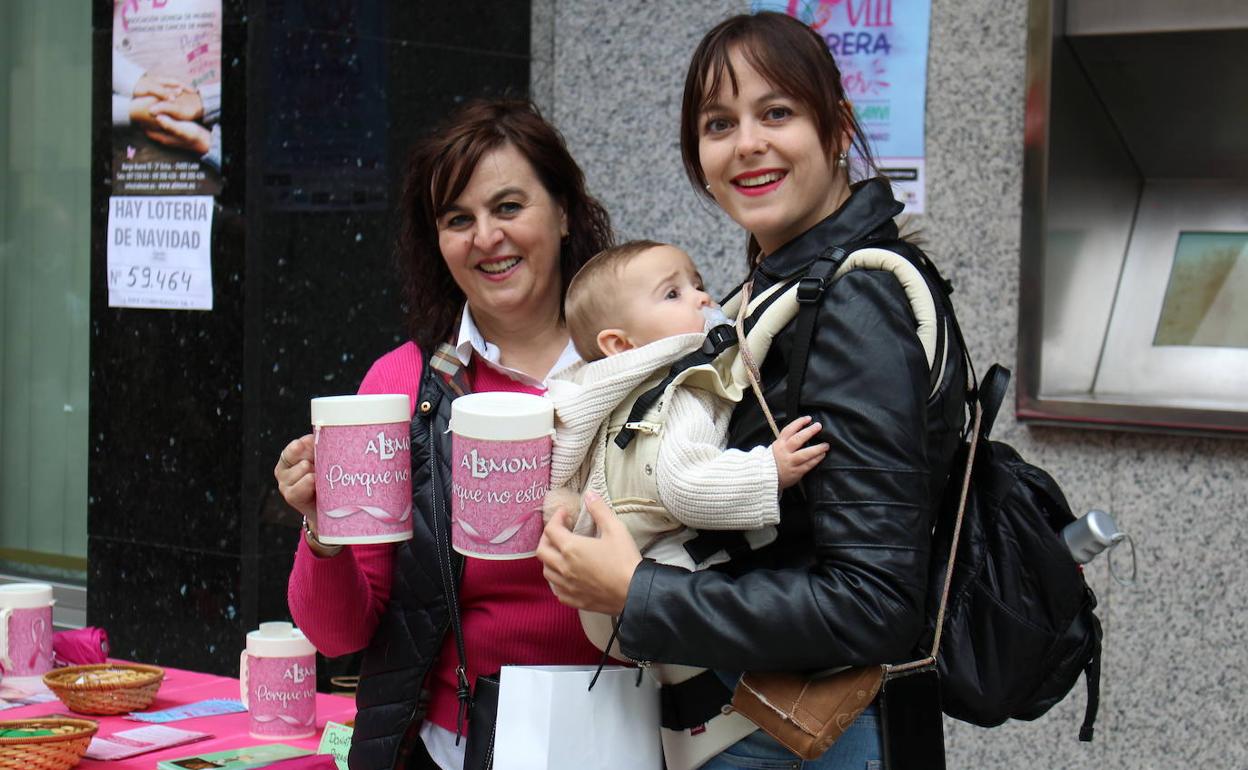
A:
(842, 160)
(708, 187)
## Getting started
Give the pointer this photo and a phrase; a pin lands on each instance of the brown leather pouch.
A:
(806, 713)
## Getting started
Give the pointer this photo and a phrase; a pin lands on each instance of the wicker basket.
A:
(105, 688)
(45, 752)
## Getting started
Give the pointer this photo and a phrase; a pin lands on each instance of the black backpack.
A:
(1019, 625)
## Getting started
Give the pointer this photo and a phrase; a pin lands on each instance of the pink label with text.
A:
(497, 488)
(29, 650)
(281, 696)
(363, 482)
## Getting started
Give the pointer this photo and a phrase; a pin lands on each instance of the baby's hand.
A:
(793, 460)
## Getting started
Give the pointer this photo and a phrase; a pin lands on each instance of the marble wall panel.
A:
(190, 409)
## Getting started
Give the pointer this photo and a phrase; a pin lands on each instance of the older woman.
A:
(496, 220)
(766, 133)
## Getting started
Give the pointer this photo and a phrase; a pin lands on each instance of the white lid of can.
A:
(278, 639)
(500, 416)
(371, 409)
(25, 596)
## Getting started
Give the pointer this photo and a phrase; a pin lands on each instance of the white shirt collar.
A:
(471, 341)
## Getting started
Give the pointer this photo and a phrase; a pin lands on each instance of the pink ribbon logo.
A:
(505, 534)
(287, 718)
(381, 514)
(37, 630)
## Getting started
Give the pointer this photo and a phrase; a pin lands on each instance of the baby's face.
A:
(663, 296)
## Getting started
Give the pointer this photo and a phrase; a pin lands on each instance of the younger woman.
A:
(766, 133)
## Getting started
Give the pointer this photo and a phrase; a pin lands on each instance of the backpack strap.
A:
(1092, 675)
(809, 291)
(991, 394)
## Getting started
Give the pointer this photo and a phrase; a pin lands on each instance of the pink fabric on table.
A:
(509, 614)
(180, 688)
(80, 646)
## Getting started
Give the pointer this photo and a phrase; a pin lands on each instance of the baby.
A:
(633, 311)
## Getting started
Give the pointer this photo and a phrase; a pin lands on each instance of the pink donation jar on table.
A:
(363, 468)
(26, 629)
(277, 680)
(500, 471)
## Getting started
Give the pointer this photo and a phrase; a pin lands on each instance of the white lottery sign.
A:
(160, 252)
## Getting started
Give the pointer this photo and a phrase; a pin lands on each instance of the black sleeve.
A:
(862, 598)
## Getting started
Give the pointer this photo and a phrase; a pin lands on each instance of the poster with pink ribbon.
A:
(166, 97)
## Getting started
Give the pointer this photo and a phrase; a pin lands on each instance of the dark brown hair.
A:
(589, 305)
(439, 169)
(792, 58)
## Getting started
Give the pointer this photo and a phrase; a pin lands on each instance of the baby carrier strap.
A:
(809, 290)
(720, 368)
(718, 340)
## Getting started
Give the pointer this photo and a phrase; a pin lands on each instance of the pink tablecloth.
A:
(180, 688)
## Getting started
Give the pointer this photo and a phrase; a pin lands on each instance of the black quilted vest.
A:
(391, 700)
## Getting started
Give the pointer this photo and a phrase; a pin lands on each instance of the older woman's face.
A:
(500, 239)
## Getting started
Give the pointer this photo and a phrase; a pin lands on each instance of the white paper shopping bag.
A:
(548, 719)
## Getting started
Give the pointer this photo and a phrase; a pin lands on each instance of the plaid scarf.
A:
(445, 361)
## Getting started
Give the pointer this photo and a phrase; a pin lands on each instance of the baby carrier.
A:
(726, 366)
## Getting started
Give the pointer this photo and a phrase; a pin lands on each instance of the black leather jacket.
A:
(845, 583)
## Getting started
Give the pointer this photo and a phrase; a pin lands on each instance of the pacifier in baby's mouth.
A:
(714, 316)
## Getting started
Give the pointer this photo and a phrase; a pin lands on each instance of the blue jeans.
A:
(859, 748)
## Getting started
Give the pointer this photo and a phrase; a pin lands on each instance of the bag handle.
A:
(902, 668)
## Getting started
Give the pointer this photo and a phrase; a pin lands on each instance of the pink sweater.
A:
(509, 614)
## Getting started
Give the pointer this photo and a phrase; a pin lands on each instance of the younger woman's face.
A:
(764, 161)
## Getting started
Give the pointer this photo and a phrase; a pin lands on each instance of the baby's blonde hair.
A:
(591, 304)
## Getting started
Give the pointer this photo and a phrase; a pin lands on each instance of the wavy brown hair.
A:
(793, 59)
(439, 169)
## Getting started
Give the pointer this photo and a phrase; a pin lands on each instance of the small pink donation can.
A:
(26, 629)
(277, 680)
(363, 468)
(500, 471)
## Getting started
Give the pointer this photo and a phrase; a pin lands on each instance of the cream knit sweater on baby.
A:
(700, 483)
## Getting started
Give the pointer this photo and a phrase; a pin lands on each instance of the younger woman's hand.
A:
(589, 573)
(793, 458)
(296, 476)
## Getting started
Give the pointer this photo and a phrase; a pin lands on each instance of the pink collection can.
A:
(500, 471)
(363, 468)
(26, 629)
(277, 681)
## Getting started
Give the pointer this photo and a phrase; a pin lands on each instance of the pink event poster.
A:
(166, 97)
